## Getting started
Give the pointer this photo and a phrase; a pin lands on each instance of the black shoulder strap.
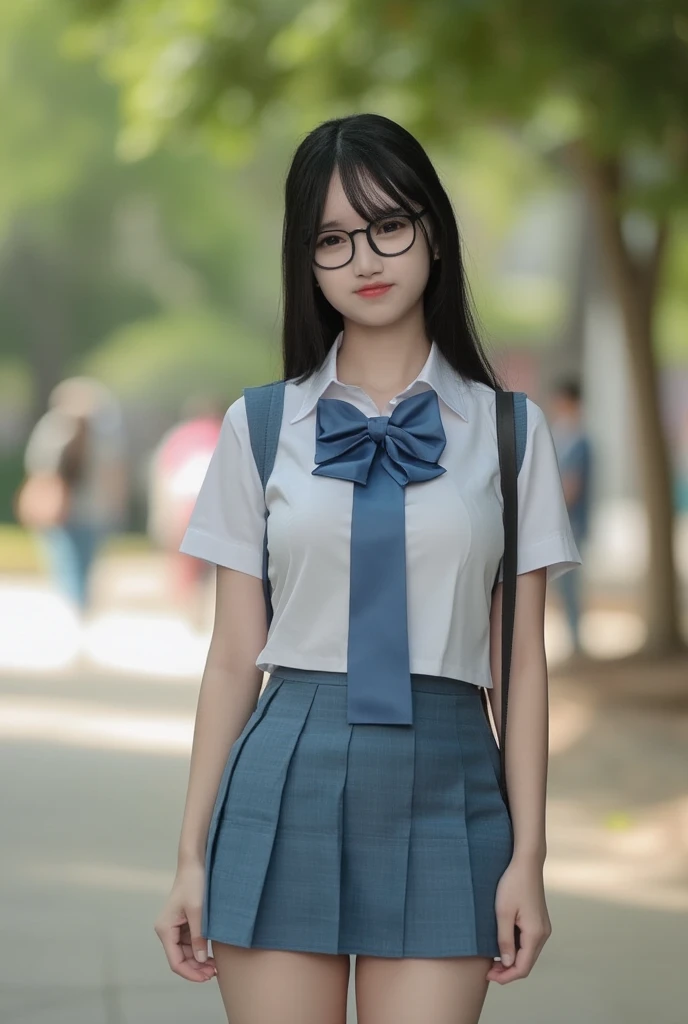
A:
(511, 422)
(506, 441)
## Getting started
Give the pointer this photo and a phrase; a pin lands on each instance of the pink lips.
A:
(370, 293)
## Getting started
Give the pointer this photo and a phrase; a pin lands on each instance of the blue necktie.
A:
(380, 455)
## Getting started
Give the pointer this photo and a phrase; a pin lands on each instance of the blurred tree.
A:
(89, 242)
(599, 85)
(181, 353)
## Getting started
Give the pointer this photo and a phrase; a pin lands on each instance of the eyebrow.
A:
(337, 223)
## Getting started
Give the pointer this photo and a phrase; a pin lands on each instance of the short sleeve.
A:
(227, 523)
(545, 537)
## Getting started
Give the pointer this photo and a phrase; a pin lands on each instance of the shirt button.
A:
(392, 401)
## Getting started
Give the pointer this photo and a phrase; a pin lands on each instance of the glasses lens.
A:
(392, 235)
(332, 249)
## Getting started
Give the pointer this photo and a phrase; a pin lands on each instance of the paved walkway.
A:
(135, 627)
(90, 743)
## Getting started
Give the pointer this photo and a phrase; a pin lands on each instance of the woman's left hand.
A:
(520, 901)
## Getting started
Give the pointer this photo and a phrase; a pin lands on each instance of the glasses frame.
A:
(413, 217)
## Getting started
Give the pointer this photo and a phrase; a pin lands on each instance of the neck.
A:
(382, 359)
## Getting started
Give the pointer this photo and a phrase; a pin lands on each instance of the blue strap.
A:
(521, 425)
(264, 406)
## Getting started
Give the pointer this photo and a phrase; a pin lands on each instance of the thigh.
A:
(450, 990)
(262, 986)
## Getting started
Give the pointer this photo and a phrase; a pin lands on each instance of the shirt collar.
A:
(437, 372)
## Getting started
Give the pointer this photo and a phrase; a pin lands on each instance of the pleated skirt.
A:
(379, 840)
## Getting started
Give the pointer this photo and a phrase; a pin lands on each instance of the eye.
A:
(391, 225)
(329, 241)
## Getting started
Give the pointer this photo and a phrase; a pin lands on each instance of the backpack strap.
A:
(511, 413)
(511, 417)
(520, 426)
(264, 406)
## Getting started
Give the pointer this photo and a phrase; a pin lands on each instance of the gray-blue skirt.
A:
(383, 840)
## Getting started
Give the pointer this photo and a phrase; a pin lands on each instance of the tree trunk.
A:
(635, 284)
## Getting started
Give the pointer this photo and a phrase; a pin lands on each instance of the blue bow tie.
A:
(380, 455)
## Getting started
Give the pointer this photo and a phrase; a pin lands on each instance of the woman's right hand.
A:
(178, 926)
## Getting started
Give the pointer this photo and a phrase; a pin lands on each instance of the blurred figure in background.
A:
(574, 454)
(177, 469)
(76, 487)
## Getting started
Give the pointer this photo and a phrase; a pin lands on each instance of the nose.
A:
(366, 261)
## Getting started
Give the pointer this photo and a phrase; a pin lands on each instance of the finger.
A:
(523, 964)
(201, 972)
(199, 945)
(506, 939)
(185, 967)
(526, 956)
(189, 956)
(169, 936)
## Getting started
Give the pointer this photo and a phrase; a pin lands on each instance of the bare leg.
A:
(265, 986)
(450, 990)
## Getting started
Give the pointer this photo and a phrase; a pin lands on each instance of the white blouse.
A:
(454, 533)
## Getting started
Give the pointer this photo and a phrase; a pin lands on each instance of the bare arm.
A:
(528, 716)
(229, 691)
(520, 899)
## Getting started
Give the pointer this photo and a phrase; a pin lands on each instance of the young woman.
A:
(353, 807)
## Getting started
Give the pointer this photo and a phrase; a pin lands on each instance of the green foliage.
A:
(611, 75)
(89, 242)
(106, 242)
(196, 61)
(501, 191)
(613, 72)
(174, 355)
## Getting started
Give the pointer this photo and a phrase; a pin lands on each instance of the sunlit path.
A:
(42, 633)
(95, 726)
(94, 767)
(633, 857)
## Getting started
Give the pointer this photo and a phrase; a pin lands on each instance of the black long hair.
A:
(367, 148)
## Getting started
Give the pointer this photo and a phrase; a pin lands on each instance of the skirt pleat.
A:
(383, 840)
(377, 835)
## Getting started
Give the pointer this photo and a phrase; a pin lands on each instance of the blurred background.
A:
(141, 171)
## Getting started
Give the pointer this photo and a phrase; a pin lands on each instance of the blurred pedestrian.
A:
(574, 455)
(75, 490)
(177, 469)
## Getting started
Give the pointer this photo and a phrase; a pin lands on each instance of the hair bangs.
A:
(372, 187)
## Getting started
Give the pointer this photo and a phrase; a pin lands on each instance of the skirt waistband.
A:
(419, 681)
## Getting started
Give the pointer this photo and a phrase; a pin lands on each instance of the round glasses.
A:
(389, 236)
